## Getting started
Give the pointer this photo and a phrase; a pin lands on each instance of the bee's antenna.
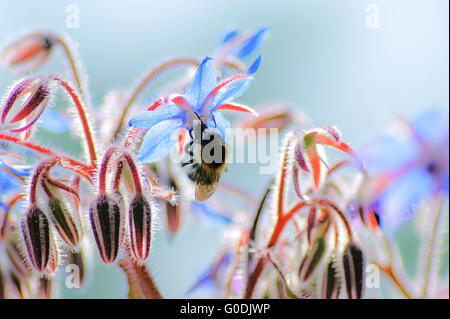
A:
(199, 118)
(203, 124)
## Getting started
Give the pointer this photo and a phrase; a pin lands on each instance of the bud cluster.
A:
(108, 212)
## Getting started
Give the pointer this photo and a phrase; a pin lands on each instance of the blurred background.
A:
(324, 57)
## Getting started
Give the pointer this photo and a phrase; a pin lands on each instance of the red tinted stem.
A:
(66, 162)
(83, 117)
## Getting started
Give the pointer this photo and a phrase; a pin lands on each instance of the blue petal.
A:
(4, 206)
(22, 171)
(387, 153)
(55, 122)
(255, 66)
(401, 199)
(445, 182)
(230, 92)
(220, 123)
(205, 280)
(203, 210)
(7, 182)
(230, 35)
(147, 119)
(204, 81)
(431, 126)
(252, 44)
(159, 140)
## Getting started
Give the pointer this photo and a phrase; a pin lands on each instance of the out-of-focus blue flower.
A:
(243, 45)
(7, 181)
(408, 168)
(4, 206)
(202, 99)
(210, 275)
(204, 211)
(55, 122)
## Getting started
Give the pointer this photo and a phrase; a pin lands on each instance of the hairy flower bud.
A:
(298, 156)
(64, 222)
(32, 49)
(140, 227)
(331, 284)
(53, 261)
(173, 217)
(106, 222)
(37, 235)
(173, 212)
(353, 262)
(33, 95)
(312, 259)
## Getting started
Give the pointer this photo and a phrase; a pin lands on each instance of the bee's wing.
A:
(204, 191)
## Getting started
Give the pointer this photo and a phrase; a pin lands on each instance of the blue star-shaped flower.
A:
(169, 117)
(409, 168)
(242, 44)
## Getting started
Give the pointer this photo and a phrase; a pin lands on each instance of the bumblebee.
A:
(206, 156)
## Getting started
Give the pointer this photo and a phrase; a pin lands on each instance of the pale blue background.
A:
(320, 56)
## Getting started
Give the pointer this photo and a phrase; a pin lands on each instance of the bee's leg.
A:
(214, 120)
(184, 163)
(189, 151)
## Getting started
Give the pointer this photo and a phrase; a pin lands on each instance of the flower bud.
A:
(53, 261)
(32, 49)
(277, 116)
(353, 262)
(37, 92)
(37, 235)
(173, 217)
(298, 156)
(140, 227)
(64, 222)
(312, 260)
(106, 221)
(173, 212)
(331, 284)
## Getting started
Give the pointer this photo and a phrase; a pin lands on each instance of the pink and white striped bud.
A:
(38, 238)
(28, 52)
(140, 227)
(312, 260)
(353, 265)
(106, 222)
(64, 222)
(331, 284)
(30, 97)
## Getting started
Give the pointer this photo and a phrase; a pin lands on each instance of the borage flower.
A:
(242, 44)
(202, 99)
(408, 167)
